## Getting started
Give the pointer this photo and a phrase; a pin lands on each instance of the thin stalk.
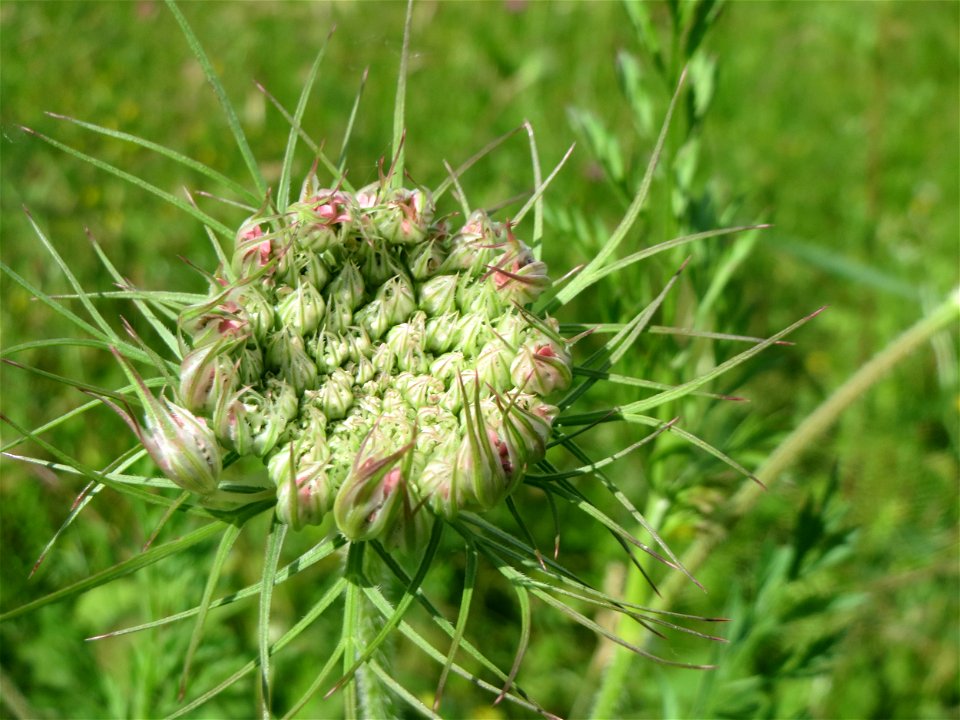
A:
(788, 452)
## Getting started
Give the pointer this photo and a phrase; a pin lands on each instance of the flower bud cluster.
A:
(377, 362)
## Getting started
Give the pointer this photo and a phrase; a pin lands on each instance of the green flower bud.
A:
(339, 317)
(335, 395)
(348, 286)
(287, 354)
(406, 341)
(438, 295)
(398, 299)
(301, 309)
(373, 318)
(297, 265)
(426, 259)
(480, 298)
(493, 363)
(419, 390)
(445, 367)
(453, 398)
(437, 484)
(257, 311)
(440, 332)
(471, 332)
(379, 263)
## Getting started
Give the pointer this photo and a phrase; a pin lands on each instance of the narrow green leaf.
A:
(230, 535)
(283, 191)
(399, 105)
(278, 532)
(117, 571)
(585, 278)
(191, 210)
(177, 157)
(232, 120)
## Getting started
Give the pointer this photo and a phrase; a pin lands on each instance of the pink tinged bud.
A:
(404, 218)
(183, 447)
(180, 443)
(305, 498)
(218, 319)
(438, 295)
(520, 280)
(541, 366)
(479, 464)
(206, 374)
(304, 492)
(525, 428)
(475, 246)
(302, 309)
(253, 249)
(371, 494)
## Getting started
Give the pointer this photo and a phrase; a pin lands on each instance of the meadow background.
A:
(836, 122)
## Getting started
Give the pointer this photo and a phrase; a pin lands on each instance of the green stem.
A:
(789, 451)
(615, 673)
(818, 422)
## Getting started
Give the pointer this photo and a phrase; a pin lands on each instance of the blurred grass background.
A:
(837, 122)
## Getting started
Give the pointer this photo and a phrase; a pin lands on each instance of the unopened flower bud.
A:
(287, 354)
(426, 259)
(440, 332)
(348, 285)
(541, 366)
(438, 295)
(206, 374)
(404, 216)
(335, 395)
(183, 447)
(372, 491)
(301, 309)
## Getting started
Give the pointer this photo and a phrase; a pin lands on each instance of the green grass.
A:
(837, 123)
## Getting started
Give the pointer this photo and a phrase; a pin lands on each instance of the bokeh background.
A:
(835, 122)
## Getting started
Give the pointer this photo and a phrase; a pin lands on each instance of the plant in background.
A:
(397, 369)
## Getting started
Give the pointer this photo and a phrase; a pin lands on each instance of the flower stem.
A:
(789, 451)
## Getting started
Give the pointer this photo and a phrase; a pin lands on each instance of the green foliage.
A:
(829, 121)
